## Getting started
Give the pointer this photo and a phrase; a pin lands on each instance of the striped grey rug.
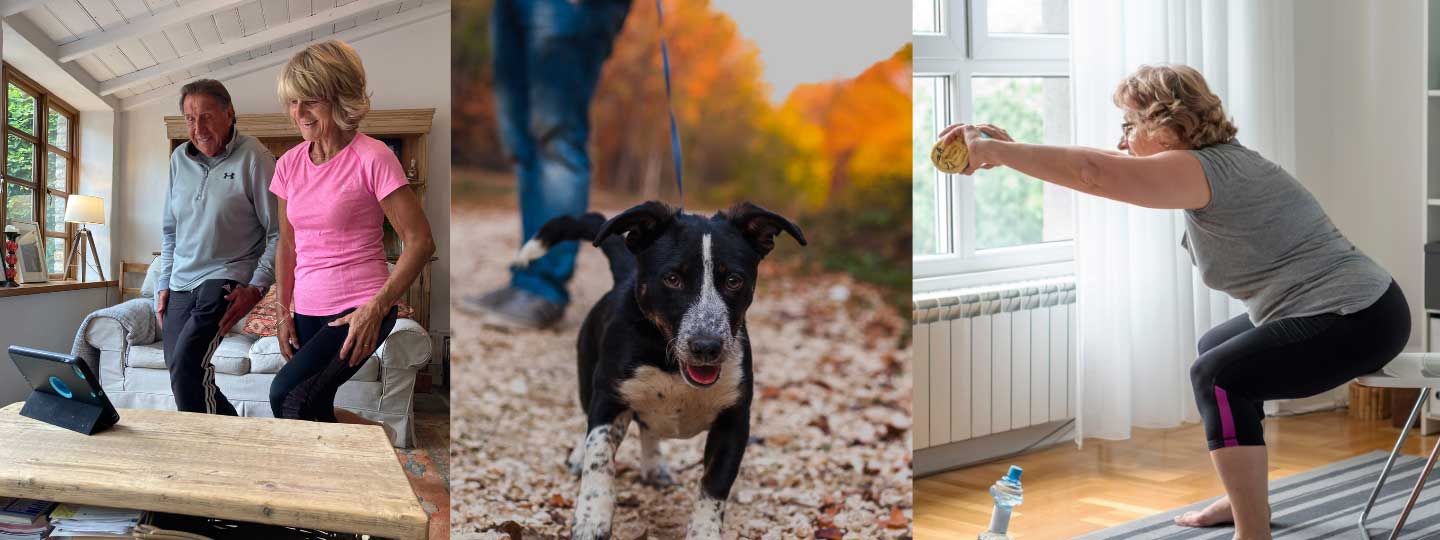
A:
(1318, 504)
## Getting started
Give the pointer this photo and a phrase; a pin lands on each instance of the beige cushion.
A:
(229, 358)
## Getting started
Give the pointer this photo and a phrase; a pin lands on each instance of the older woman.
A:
(1320, 311)
(335, 190)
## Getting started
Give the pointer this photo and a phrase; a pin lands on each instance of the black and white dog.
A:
(666, 347)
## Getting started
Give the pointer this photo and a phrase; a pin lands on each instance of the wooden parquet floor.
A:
(1071, 491)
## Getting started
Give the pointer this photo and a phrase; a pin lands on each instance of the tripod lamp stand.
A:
(84, 209)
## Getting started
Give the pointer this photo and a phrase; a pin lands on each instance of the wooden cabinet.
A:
(405, 131)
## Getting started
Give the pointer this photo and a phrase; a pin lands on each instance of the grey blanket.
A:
(136, 316)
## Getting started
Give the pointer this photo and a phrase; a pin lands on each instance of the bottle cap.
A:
(1014, 474)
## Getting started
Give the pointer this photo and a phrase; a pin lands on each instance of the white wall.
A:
(408, 67)
(98, 164)
(48, 321)
(44, 321)
(1359, 92)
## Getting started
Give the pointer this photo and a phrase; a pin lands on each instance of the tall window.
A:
(39, 157)
(1004, 63)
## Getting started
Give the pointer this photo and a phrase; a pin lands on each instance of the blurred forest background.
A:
(833, 156)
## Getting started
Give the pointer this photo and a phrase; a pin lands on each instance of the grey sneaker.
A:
(480, 304)
(526, 310)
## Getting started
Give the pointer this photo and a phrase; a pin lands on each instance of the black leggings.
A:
(305, 387)
(1241, 365)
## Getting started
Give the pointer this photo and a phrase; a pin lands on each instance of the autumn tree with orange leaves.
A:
(835, 155)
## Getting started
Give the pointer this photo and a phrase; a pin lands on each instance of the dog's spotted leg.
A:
(724, 448)
(705, 520)
(595, 508)
(653, 470)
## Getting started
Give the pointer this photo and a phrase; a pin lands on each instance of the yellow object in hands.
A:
(950, 157)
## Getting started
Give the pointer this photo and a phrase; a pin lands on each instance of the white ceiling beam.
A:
(237, 46)
(11, 8)
(45, 46)
(153, 24)
(432, 8)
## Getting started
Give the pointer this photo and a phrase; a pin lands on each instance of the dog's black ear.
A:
(760, 226)
(641, 225)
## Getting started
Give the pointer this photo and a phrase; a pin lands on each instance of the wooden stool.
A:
(1368, 402)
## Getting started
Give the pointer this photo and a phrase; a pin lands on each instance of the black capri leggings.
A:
(305, 387)
(1240, 366)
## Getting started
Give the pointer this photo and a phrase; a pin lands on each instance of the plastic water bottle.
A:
(1007, 494)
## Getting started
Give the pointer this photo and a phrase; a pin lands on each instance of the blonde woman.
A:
(335, 190)
(1320, 312)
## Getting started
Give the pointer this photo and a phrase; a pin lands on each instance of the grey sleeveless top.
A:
(1265, 240)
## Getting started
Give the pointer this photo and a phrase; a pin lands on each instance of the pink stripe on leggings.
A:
(1227, 419)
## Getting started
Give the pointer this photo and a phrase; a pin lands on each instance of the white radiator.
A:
(993, 359)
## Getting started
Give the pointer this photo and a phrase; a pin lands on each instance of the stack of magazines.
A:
(77, 522)
(24, 519)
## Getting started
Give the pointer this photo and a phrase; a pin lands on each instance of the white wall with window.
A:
(989, 377)
(68, 148)
(1003, 63)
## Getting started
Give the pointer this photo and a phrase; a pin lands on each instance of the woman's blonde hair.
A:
(1176, 97)
(329, 71)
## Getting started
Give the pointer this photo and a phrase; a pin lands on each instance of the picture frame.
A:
(31, 253)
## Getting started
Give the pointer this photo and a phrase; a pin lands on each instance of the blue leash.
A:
(674, 131)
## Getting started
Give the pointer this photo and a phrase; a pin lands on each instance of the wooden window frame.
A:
(45, 101)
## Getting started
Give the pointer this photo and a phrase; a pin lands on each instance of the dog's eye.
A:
(672, 280)
(734, 282)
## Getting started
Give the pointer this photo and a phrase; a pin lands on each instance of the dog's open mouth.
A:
(702, 375)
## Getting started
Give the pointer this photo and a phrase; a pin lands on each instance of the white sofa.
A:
(134, 374)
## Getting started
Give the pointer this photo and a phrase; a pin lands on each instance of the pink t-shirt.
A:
(335, 212)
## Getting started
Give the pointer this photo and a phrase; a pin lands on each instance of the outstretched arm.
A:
(1173, 179)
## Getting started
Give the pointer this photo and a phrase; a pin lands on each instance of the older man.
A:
(217, 257)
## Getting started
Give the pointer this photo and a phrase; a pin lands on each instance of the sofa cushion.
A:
(261, 320)
(265, 357)
(254, 387)
(231, 357)
(147, 287)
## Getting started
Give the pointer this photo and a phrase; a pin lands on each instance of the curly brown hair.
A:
(1176, 97)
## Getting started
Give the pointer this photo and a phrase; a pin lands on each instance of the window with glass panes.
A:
(39, 156)
(1004, 63)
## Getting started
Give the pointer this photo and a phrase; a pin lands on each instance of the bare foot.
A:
(1218, 513)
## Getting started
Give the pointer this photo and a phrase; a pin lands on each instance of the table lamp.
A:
(84, 209)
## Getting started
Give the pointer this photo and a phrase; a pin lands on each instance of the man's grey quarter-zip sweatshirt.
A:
(220, 221)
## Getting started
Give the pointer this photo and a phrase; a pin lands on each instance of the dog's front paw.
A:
(706, 519)
(593, 515)
(658, 475)
(590, 532)
(703, 531)
(576, 461)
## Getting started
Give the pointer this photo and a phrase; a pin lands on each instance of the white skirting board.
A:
(937, 459)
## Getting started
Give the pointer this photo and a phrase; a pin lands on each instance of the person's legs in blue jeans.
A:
(509, 41)
(566, 45)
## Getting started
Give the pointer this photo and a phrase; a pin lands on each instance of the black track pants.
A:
(191, 334)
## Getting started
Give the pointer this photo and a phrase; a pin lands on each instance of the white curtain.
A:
(1141, 303)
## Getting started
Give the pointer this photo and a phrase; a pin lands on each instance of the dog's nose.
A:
(704, 348)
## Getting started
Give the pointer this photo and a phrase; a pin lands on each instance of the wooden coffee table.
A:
(335, 477)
